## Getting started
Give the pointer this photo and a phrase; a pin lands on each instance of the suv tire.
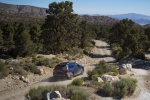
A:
(70, 76)
(82, 71)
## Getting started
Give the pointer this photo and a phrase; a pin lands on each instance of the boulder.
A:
(42, 71)
(107, 78)
(15, 77)
(122, 70)
(127, 66)
(98, 79)
(24, 79)
(11, 68)
(54, 95)
(116, 78)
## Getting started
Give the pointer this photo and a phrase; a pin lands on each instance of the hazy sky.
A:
(94, 6)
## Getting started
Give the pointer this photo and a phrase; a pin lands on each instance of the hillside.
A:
(9, 8)
(104, 20)
(13, 13)
(9, 12)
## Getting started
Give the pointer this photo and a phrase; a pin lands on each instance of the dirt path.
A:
(100, 52)
(143, 86)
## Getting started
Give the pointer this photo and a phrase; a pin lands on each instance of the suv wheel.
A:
(70, 76)
(82, 71)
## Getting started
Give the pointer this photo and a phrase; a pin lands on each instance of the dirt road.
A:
(143, 86)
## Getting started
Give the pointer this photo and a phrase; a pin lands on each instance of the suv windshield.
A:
(60, 67)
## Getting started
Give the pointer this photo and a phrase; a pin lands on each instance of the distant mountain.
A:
(138, 18)
(147, 25)
(21, 13)
(99, 20)
(9, 12)
(9, 8)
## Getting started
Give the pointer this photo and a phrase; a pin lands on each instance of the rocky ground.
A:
(11, 88)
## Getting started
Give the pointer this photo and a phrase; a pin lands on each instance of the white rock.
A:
(107, 78)
(54, 95)
(127, 66)
(116, 78)
(99, 79)
(42, 71)
(26, 80)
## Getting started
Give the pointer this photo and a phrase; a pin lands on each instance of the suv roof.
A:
(65, 63)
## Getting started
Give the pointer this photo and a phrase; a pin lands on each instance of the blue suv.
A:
(68, 70)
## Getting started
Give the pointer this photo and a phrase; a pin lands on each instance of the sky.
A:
(103, 7)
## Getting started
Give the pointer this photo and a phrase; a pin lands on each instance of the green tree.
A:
(101, 31)
(1, 38)
(8, 36)
(86, 35)
(127, 35)
(35, 32)
(147, 32)
(23, 43)
(60, 30)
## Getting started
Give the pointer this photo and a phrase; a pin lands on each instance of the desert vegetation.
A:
(24, 66)
(120, 89)
(103, 68)
(72, 92)
(76, 82)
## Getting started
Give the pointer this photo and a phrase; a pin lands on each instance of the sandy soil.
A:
(143, 86)
(13, 89)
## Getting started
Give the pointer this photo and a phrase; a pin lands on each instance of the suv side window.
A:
(71, 65)
(75, 65)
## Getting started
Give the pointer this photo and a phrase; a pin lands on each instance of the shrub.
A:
(76, 97)
(117, 51)
(32, 68)
(122, 88)
(41, 61)
(101, 63)
(45, 62)
(21, 72)
(4, 72)
(40, 92)
(36, 93)
(102, 68)
(2, 66)
(125, 86)
(53, 62)
(76, 82)
(77, 93)
(72, 93)
(108, 89)
(140, 55)
(92, 73)
(96, 85)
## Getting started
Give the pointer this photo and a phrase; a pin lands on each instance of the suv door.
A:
(72, 68)
(76, 69)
